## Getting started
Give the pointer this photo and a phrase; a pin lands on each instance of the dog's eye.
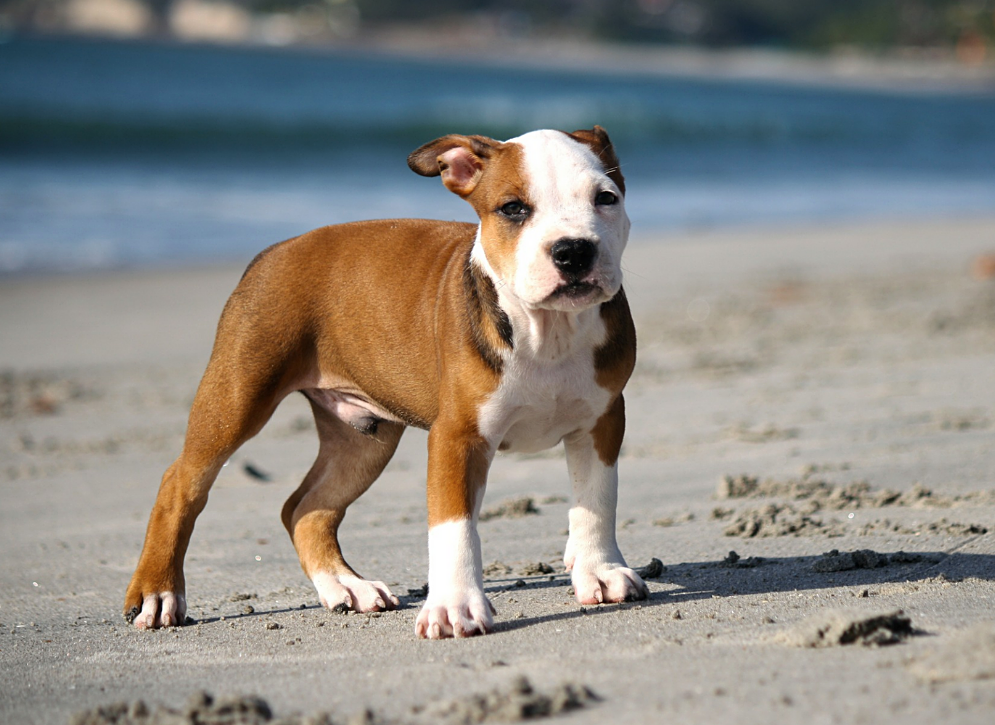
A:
(605, 198)
(515, 210)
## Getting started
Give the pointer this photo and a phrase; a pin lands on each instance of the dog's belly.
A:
(350, 407)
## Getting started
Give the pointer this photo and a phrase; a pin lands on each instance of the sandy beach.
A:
(809, 455)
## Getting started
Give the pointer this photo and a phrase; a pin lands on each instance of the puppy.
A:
(510, 335)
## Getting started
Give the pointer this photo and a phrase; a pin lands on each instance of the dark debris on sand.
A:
(515, 704)
(518, 702)
(201, 709)
(735, 561)
(805, 499)
(834, 627)
(512, 509)
(821, 494)
(832, 561)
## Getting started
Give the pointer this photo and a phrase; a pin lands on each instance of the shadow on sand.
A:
(736, 577)
(730, 577)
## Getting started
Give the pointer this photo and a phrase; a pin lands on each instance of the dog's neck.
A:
(537, 335)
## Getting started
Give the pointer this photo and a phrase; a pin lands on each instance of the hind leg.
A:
(156, 596)
(222, 417)
(349, 460)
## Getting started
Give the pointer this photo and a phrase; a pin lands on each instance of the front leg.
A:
(457, 473)
(598, 571)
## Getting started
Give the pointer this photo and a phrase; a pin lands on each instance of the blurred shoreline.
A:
(335, 28)
(899, 70)
(902, 69)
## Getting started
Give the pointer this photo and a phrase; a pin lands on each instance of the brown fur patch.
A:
(490, 327)
(259, 257)
(609, 431)
(615, 358)
(504, 182)
(457, 470)
(598, 141)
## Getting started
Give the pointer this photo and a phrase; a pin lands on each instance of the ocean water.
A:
(135, 154)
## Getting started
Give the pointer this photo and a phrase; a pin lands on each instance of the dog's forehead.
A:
(553, 160)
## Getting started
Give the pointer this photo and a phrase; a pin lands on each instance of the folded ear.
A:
(458, 159)
(601, 145)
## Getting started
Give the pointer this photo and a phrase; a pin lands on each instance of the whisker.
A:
(629, 273)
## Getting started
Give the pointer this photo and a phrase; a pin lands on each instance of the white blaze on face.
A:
(564, 177)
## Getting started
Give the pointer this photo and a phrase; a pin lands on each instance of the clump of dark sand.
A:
(953, 528)
(514, 704)
(529, 568)
(943, 526)
(861, 559)
(666, 521)
(535, 568)
(497, 568)
(904, 557)
(821, 494)
(832, 561)
(419, 593)
(834, 627)
(201, 709)
(806, 496)
(652, 570)
(735, 561)
(775, 520)
(511, 509)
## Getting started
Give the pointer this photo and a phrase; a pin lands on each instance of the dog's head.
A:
(551, 207)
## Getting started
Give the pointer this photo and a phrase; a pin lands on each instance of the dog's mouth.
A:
(576, 291)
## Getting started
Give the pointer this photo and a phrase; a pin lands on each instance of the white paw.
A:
(342, 592)
(165, 609)
(607, 583)
(460, 614)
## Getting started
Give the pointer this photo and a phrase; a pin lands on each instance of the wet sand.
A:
(847, 372)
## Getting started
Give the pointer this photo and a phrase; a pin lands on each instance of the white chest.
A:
(536, 405)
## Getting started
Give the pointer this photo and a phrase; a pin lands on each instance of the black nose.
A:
(574, 257)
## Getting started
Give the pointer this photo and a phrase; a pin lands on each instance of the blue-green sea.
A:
(123, 154)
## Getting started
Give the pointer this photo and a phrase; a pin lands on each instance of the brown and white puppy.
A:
(513, 335)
